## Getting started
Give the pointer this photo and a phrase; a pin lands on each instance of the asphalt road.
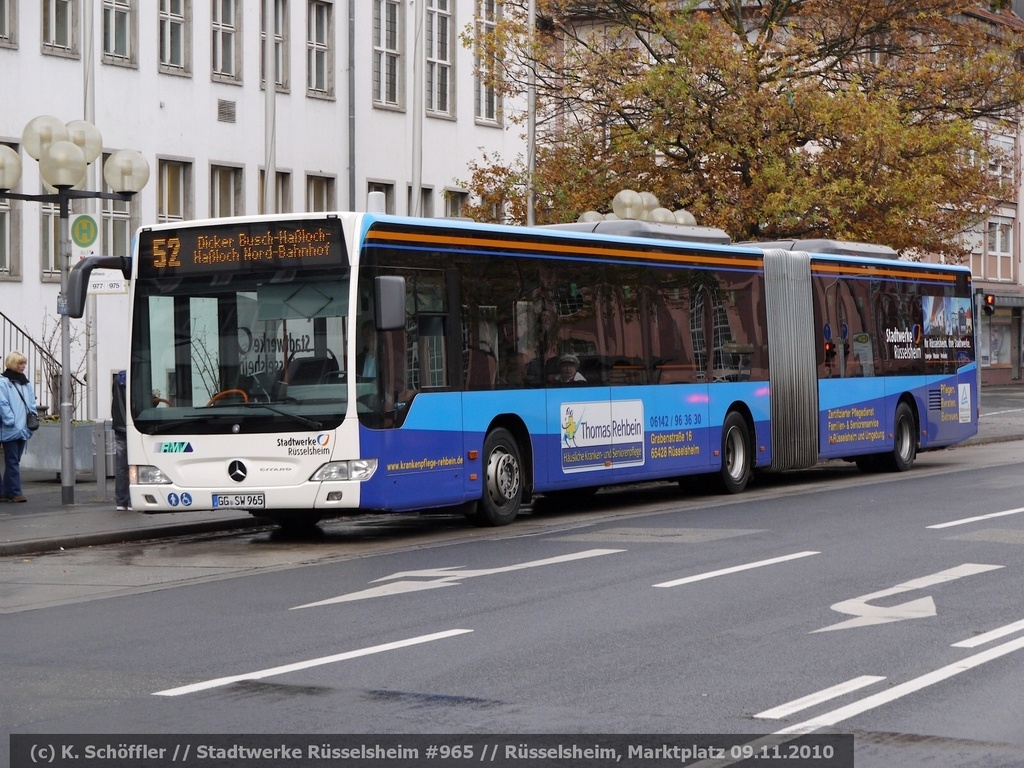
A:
(886, 606)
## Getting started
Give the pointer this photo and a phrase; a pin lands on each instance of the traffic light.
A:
(988, 304)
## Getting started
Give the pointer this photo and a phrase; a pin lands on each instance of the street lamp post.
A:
(64, 152)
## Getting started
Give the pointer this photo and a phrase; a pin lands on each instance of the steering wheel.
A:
(228, 392)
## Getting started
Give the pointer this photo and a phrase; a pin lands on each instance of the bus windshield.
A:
(269, 353)
(262, 351)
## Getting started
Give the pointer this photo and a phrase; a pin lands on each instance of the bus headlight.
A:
(356, 469)
(149, 475)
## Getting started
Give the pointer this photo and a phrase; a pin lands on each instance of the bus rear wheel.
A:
(737, 456)
(904, 449)
(503, 481)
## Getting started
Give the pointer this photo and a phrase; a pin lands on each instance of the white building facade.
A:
(363, 103)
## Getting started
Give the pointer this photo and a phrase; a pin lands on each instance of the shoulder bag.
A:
(31, 417)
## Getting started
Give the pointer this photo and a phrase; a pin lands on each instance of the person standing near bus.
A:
(118, 422)
(17, 408)
(366, 360)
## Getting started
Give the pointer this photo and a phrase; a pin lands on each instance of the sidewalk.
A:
(45, 524)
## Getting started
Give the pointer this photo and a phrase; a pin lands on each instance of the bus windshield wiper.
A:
(156, 429)
(301, 419)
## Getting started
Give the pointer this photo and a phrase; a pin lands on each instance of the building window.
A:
(426, 202)
(8, 23)
(5, 237)
(49, 240)
(439, 56)
(226, 31)
(487, 104)
(116, 225)
(389, 194)
(320, 49)
(994, 342)
(280, 45)
(387, 52)
(119, 33)
(173, 195)
(999, 249)
(10, 235)
(225, 191)
(319, 193)
(1000, 165)
(60, 27)
(454, 203)
(282, 192)
(175, 36)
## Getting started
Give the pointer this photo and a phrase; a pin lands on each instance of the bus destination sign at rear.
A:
(233, 247)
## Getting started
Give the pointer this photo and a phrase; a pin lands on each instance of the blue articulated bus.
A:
(304, 366)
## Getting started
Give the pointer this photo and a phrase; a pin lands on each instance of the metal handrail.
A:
(43, 369)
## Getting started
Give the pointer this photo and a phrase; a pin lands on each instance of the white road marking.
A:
(784, 710)
(259, 675)
(734, 569)
(987, 637)
(967, 520)
(868, 615)
(903, 689)
(999, 413)
(447, 577)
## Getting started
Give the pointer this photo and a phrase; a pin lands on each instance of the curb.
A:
(75, 541)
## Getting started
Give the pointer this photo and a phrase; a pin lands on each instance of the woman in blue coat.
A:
(17, 400)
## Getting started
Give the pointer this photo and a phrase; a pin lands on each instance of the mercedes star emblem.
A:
(237, 471)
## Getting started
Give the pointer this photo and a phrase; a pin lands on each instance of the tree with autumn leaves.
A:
(870, 120)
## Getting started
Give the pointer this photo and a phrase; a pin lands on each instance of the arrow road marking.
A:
(867, 615)
(447, 577)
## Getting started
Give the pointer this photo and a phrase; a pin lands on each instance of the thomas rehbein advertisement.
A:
(602, 435)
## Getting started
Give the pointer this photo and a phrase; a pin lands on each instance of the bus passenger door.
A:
(422, 413)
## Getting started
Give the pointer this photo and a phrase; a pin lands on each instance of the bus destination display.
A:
(233, 248)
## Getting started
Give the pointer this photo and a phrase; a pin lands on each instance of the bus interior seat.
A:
(312, 370)
(673, 372)
(481, 369)
(627, 372)
(592, 369)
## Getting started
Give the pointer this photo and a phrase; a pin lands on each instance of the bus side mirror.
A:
(390, 302)
(78, 279)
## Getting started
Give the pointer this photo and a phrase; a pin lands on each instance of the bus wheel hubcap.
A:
(734, 458)
(502, 476)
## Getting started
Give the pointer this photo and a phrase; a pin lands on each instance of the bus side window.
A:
(481, 369)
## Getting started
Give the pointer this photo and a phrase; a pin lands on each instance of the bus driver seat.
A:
(312, 370)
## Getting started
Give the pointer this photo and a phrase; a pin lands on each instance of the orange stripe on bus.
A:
(545, 247)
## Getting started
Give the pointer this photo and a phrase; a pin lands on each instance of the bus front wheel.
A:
(503, 481)
(737, 456)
